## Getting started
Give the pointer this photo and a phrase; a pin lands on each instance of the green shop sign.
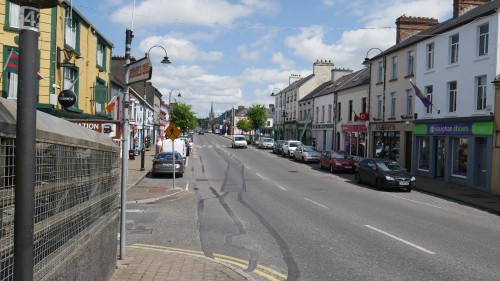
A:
(461, 128)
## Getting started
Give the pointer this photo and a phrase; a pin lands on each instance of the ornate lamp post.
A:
(164, 61)
(367, 62)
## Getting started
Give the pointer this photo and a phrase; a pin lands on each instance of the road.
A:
(283, 220)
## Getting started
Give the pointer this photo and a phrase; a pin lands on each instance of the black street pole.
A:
(143, 127)
(25, 153)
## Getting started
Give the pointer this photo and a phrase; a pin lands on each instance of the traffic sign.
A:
(172, 131)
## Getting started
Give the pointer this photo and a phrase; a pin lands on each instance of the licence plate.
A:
(404, 183)
(348, 167)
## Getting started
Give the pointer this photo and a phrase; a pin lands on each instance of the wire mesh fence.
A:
(76, 192)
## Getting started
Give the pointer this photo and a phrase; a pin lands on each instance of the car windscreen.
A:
(340, 155)
(239, 139)
(390, 166)
(309, 149)
(293, 144)
(167, 156)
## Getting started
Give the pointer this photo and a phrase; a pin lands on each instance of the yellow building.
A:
(74, 56)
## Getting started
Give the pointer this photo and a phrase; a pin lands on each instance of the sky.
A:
(238, 52)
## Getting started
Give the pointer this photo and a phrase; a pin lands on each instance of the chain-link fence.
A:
(76, 193)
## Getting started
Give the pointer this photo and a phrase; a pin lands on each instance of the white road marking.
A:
(427, 204)
(281, 187)
(401, 240)
(314, 202)
(187, 184)
(260, 175)
(134, 211)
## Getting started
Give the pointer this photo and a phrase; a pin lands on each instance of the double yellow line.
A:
(264, 271)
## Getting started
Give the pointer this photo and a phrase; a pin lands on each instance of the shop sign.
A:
(140, 70)
(353, 128)
(388, 127)
(322, 126)
(450, 129)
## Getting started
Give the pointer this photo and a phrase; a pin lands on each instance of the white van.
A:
(179, 146)
(239, 141)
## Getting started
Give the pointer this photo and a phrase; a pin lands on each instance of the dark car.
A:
(337, 161)
(384, 173)
(163, 163)
(201, 132)
(278, 146)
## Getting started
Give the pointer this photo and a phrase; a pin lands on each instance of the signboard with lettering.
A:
(140, 70)
(107, 127)
(66, 98)
(450, 129)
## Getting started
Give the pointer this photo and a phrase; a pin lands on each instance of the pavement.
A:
(143, 263)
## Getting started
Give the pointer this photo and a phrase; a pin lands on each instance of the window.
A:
(459, 159)
(329, 113)
(100, 96)
(409, 102)
(379, 106)
(428, 93)
(452, 96)
(300, 115)
(380, 74)
(101, 54)
(13, 15)
(430, 56)
(363, 105)
(317, 114)
(339, 111)
(9, 78)
(483, 39)
(481, 92)
(323, 114)
(71, 34)
(394, 68)
(70, 80)
(424, 150)
(454, 44)
(350, 111)
(411, 57)
(393, 104)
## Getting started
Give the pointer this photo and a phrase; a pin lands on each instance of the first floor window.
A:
(12, 85)
(409, 103)
(100, 96)
(460, 153)
(393, 104)
(428, 93)
(481, 92)
(70, 75)
(379, 106)
(424, 151)
(14, 15)
(452, 97)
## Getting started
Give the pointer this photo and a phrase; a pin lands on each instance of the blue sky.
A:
(232, 52)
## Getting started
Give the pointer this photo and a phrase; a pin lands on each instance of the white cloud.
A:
(283, 62)
(178, 49)
(246, 54)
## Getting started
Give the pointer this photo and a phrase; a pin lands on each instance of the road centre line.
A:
(314, 202)
(427, 204)
(401, 240)
(260, 175)
(280, 187)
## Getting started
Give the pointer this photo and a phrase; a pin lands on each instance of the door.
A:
(408, 149)
(481, 167)
(440, 156)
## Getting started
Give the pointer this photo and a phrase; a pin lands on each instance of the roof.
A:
(481, 11)
(314, 92)
(354, 79)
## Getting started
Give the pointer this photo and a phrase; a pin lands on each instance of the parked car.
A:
(384, 173)
(278, 147)
(201, 132)
(266, 143)
(337, 161)
(163, 163)
(289, 147)
(306, 153)
(239, 141)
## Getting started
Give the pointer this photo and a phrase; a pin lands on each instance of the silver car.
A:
(164, 164)
(306, 153)
(266, 143)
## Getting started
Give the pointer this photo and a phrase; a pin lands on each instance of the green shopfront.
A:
(457, 150)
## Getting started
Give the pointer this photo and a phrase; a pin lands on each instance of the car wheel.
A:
(408, 189)
(153, 175)
(357, 178)
(320, 165)
(289, 155)
(332, 170)
(303, 160)
(378, 183)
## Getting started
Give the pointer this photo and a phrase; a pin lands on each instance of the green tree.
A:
(183, 117)
(257, 115)
(244, 124)
(203, 122)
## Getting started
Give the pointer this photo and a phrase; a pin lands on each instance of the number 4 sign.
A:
(29, 18)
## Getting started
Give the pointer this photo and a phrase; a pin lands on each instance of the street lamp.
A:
(170, 96)
(164, 61)
(283, 112)
(368, 63)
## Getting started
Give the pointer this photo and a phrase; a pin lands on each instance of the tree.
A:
(244, 124)
(203, 122)
(183, 117)
(257, 115)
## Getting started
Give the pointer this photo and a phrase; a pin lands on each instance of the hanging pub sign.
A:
(66, 98)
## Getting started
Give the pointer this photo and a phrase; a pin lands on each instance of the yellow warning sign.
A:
(172, 131)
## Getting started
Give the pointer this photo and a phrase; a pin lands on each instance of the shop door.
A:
(409, 148)
(440, 156)
(481, 166)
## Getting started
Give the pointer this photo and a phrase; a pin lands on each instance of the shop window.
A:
(460, 153)
(423, 155)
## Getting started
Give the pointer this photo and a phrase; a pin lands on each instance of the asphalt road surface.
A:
(279, 219)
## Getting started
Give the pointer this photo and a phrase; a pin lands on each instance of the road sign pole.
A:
(173, 161)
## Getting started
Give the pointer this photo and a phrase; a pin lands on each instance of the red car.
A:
(337, 161)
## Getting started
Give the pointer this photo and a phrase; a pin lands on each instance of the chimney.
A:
(409, 26)
(293, 78)
(462, 6)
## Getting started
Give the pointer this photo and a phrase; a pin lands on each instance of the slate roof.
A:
(360, 77)
(470, 16)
